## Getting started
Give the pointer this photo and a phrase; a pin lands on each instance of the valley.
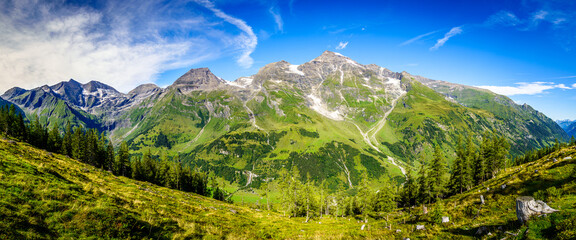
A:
(329, 148)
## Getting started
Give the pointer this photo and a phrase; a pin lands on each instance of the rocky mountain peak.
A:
(143, 89)
(93, 86)
(332, 57)
(15, 91)
(198, 78)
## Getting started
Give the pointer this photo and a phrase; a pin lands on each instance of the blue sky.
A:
(525, 49)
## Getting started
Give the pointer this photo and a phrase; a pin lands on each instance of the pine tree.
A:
(424, 192)
(409, 190)
(54, 140)
(67, 141)
(385, 197)
(460, 177)
(78, 144)
(437, 172)
(148, 167)
(137, 171)
(109, 162)
(122, 160)
(365, 196)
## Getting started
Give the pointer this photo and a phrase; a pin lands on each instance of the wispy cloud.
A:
(410, 41)
(246, 42)
(453, 32)
(277, 18)
(524, 88)
(503, 18)
(121, 43)
(341, 45)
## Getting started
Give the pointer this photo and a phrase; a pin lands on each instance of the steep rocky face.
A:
(198, 78)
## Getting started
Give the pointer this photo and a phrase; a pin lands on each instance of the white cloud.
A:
(341, 45)
(453, 32)
(524, 88)
(277, 19)
(410, 41)
(574, 85)
(246, 42)
(121, 43)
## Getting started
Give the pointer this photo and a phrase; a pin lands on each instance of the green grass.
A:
(45, 195)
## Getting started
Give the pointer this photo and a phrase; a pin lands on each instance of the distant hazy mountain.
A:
(331, 117)
(569, 126)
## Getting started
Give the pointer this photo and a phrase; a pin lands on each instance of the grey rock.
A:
(526, 207)
(445, 219)
(420, 227)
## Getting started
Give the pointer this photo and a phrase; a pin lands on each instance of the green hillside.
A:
(46, 196)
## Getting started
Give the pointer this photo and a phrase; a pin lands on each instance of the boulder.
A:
(568, 158)
(526, 206)
(482, 199)
(420, 227)
(503, 186)
(445, 219)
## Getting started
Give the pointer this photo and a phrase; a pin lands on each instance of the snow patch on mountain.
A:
(242, 82)
(294, 69)
(320, 107)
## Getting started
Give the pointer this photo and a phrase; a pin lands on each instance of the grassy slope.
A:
(43, 195)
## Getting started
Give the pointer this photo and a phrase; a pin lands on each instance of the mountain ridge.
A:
(376, 120)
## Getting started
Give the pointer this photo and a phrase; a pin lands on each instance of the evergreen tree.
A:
(109, 162)
(122, 160)
(54, 143)
(67, 141)
(437, 172)
(364, 196)
(385, 198)
(424, 191)
(409, 190)
(137, 171)
(148, 167)
(78, 144)
(460, 177)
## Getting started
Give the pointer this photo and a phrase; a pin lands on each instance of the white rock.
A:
(445, 219)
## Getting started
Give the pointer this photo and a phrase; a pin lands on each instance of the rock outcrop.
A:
(526, 206)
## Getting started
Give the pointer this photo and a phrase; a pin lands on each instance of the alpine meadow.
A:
(336, 147)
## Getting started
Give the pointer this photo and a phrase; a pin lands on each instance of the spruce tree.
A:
(385, 197)
(437, 172)
(54, 140)
(122, 160)
(365, 196)
(424, 192)
(148, 167)
(67, 140)
(409, 190)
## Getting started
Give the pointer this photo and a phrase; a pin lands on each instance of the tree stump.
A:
(526, 207)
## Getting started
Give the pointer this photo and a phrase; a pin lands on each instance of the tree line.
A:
(94, 148)
(434, 180)
(535, 154)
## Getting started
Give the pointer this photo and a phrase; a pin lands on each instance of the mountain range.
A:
(569, 126)
(332, 118)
